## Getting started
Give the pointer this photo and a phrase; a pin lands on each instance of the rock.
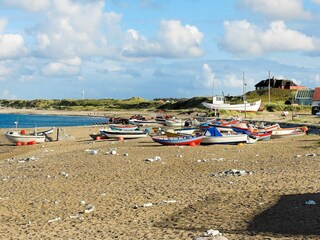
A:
(310, 202)
(89, 208)
(157, 158)
(231, 172)
(54, 220)
(147, 205)
(113, 152)
(211, 233)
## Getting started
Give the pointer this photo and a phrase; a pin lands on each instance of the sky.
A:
(93, 49)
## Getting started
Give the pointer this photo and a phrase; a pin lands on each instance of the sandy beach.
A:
(78, 189)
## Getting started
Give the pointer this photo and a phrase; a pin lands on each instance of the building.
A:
(277, 83)
(304, 96)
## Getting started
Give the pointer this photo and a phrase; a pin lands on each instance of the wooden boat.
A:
(22, 137)
(97, 136)
(179, 141)
(260, 135)
(224, 126)
(289, 132)
(187, 130)
(268, 127)
(124, 134)
(123, 127)
(174, 123)
(214, 136)
(142, 122)
(218, 103)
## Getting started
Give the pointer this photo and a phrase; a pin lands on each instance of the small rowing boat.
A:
(179, 141)
(124, 134)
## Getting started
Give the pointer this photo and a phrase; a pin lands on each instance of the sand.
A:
(65, 192)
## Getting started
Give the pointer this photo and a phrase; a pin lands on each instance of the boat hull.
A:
(284, 133)
(248, 107)
(178, 141)
(225, 139)
(15, 137)
(124, 134)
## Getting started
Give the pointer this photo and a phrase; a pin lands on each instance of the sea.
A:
(32, 121)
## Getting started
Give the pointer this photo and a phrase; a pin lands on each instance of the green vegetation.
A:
(278, 99)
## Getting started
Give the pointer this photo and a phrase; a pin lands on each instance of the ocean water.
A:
(31, 121)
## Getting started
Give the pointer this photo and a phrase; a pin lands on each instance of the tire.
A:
(315, 109)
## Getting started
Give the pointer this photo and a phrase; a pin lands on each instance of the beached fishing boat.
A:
(224, 125)
(97, 136)
(141, 122)
(22, 137)
(124, 134)
(127, 127)
(178, 141)
(174, 122)
(187, 130)
(289, 132)
(219, 103)
(214, 136)
(244, 129)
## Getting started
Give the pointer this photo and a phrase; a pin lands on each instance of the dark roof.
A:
(275, 83)
(316, 95)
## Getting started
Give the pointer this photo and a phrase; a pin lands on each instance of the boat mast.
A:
(244, 95)
(215, 110)
(269, 86)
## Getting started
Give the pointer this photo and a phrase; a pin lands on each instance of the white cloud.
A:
(171, 41)
(244, 38)
(73, 29)
(209, 76)
(4, 71)
(26, 78)
(29, 5)
(278, 9)
(12, 46)
(316, 1)
(232, 81)
(65, 67)
(3, 24)
(76, 61)
(315, 79)
(6, 94)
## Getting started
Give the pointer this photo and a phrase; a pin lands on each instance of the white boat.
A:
(218, 103)
(123, 127)
(186, 130)
(213, 136)
(125, 134)
(141, 122)
(289, 132)
(175, 123)
(20, 136)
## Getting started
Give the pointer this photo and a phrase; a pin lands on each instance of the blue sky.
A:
(55, 49)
